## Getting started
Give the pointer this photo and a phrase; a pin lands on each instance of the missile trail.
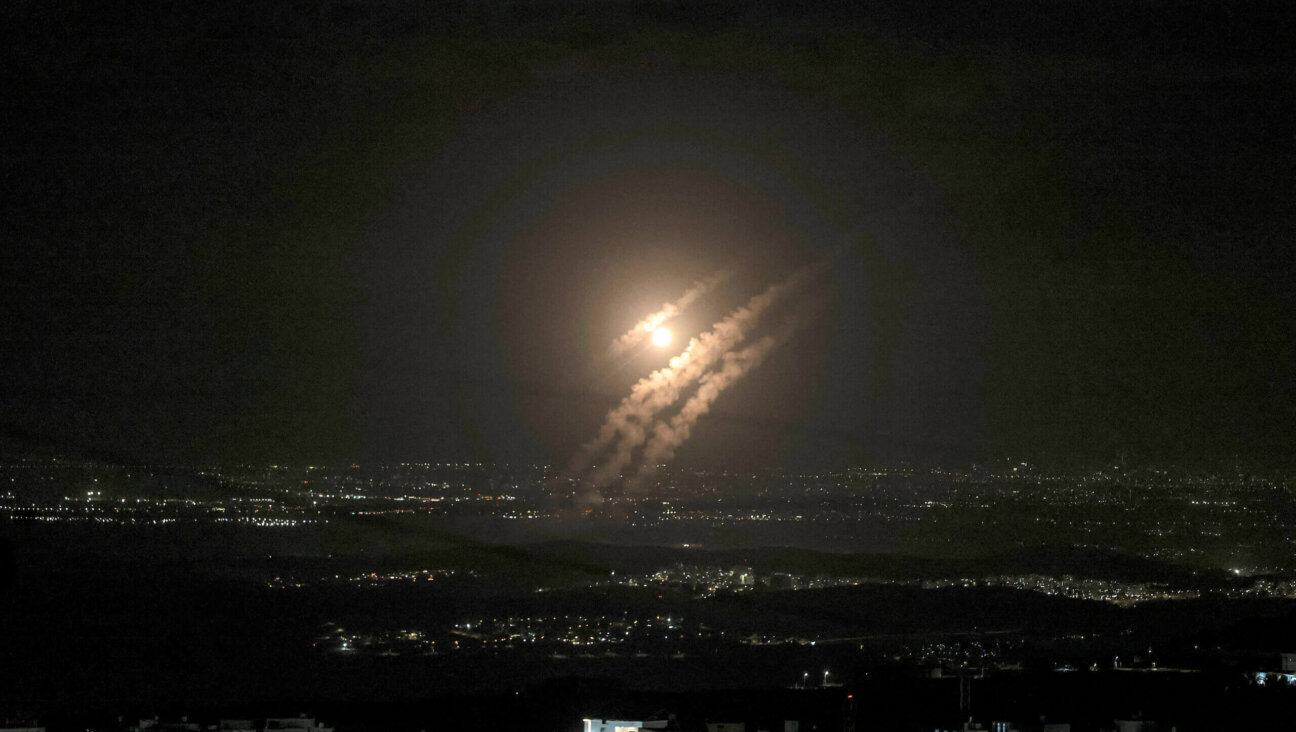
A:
(627, 426)
(643, 330)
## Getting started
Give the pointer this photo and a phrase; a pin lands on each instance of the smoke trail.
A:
(643, 330)
(632, 418)
(669, 435)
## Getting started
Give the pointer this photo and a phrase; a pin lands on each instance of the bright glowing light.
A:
(661, 337)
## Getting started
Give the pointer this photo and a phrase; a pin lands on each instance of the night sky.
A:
(309, 232)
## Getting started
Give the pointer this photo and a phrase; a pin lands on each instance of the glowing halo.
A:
(661, 337)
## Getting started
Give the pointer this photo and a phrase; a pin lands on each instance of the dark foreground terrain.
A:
(91, 643)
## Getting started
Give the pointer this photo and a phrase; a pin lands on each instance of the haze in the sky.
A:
(249, 235)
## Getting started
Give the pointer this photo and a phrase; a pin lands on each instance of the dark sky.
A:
(389, 231)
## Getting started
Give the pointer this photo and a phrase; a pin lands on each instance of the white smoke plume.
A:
(628, 424)
(669, 435)
(637, 335)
